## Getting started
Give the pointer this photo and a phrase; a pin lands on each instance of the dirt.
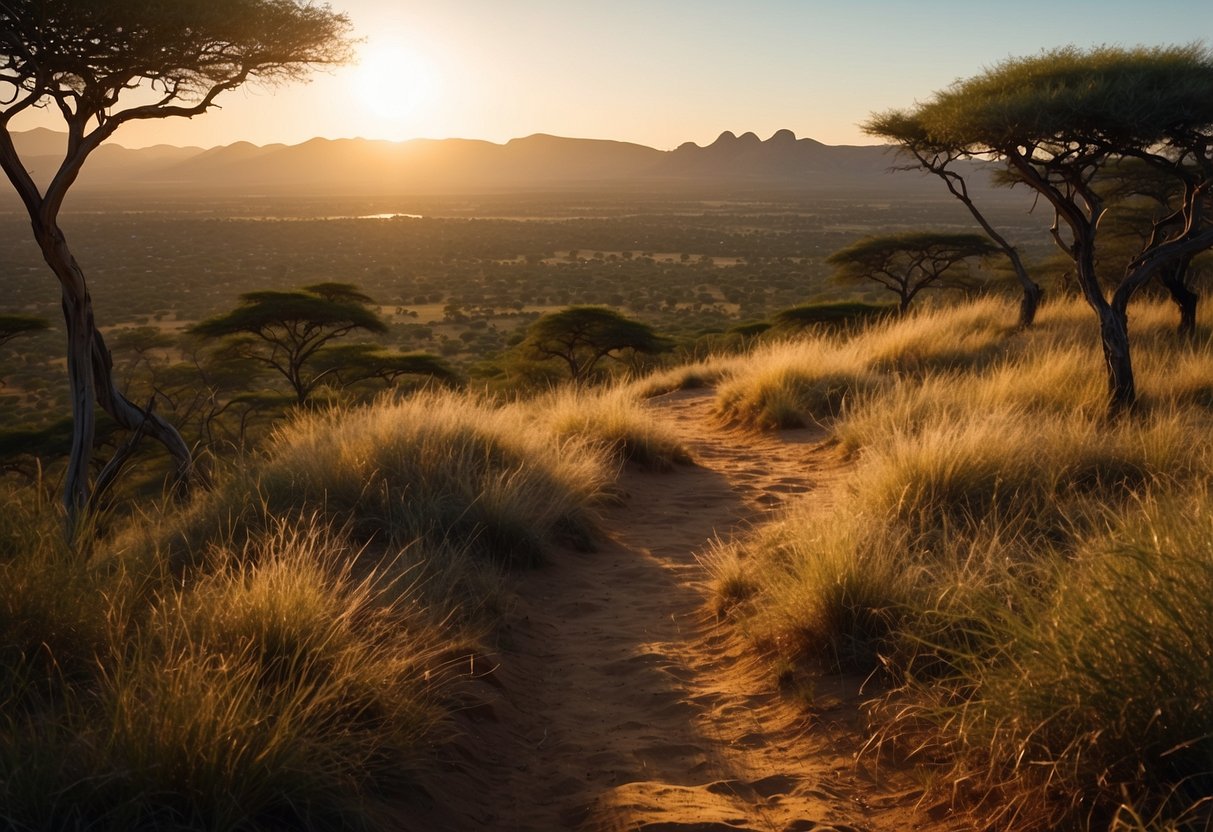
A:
(619, 702)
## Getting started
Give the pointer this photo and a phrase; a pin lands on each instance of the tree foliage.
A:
(908, 262)
(1058, 119)
(581, 336)
(349, 365)
(104, 63)
(940, 158)
(287, 330)
(12, 326)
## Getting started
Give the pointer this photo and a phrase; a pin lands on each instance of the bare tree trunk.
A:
(1114, 337)
(91, 381)
(1032, 294)
(78, 316)
(1113, 334)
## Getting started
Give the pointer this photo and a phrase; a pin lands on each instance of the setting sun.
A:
(394, 83)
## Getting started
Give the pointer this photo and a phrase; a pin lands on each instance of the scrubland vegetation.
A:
(1025, 581)
(464, 281)
(286, 652)
(1029, 578)
(1024, 576)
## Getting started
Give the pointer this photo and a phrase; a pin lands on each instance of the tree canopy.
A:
(908, 262)
(581, 336)
(12, 326)
(1057, 119)
(940, 158)
(287, 329)
(104, 63)
(354, 364)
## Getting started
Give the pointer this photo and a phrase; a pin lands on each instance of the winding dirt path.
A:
(621, 705)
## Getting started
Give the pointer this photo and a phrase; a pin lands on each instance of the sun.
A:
(394, 84)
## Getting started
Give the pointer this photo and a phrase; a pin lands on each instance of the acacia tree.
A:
(350, 365)
(11, 326)
(285, 331)
(909, 262)
(939, 158)
(581, 336)
(101, 64)
(1058, 119)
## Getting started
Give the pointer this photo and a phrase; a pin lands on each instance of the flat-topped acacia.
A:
(101, 65)
(1058, 120)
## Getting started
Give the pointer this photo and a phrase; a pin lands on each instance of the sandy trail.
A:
(621, 705)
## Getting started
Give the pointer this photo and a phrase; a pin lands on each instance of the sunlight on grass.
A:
(1027, 577)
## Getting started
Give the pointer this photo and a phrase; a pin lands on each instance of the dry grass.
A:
(1030, 577)
(614, 418)
(280, 656)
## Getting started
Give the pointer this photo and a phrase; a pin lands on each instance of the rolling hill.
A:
(540, 161)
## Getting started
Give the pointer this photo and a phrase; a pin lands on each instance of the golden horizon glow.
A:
(395, 87)
(657, 74)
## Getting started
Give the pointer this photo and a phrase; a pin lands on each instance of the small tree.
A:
(101, 65)
(581, 336)
(284, 331)
(909, 262)
(1058, 119)
(939, 158)
(348, 365)
(12, 326)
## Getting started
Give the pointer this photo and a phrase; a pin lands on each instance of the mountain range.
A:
(358, 166)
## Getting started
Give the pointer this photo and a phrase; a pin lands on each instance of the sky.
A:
(656, 72)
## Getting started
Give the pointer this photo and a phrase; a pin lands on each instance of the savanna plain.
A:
(834, 568)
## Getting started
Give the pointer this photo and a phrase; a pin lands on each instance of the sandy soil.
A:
(618, 703)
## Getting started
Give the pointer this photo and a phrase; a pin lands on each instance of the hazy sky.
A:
(659, 72)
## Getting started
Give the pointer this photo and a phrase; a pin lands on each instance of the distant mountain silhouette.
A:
(781, 158)
(357, 166)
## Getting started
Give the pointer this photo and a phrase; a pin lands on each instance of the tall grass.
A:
(282, 654)
(444, 468)
(613, 418)
(1028, 577)
(1102, 690)
(792, 384)
(276, 692)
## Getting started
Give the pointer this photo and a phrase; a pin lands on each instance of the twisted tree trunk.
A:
(91, 381)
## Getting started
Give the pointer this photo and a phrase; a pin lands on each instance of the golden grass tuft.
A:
(614, 418)
(279, 654)
(1028, 576)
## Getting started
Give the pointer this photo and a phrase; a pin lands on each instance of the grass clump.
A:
(1031, 580)
(811, 590)
(277, 691)
(443, 468)
(1098, 704)
(613, 418)
(793, 384)
(691, 376)
(281, 654)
